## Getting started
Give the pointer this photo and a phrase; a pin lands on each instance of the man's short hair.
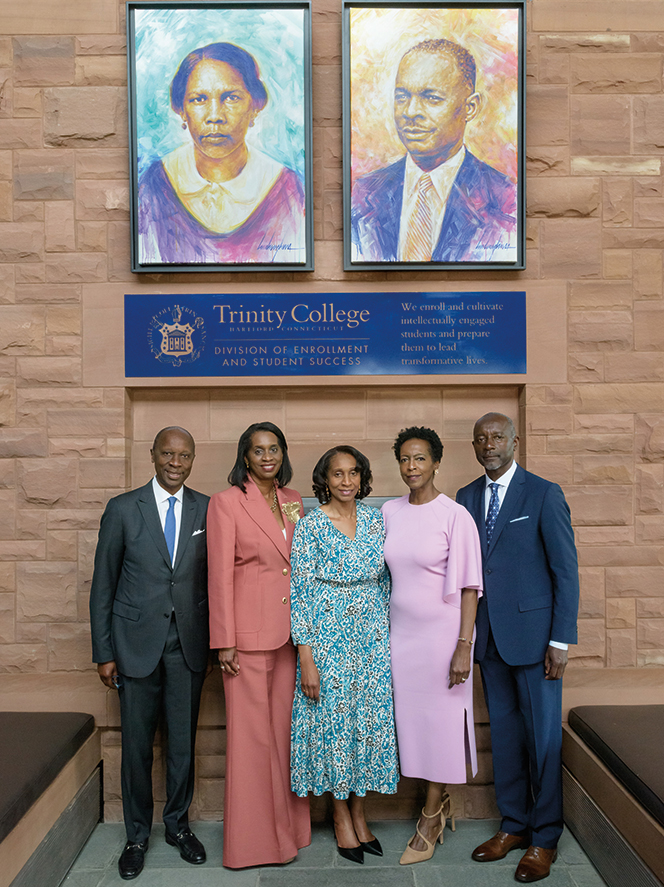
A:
(509, 424)
(464, 60)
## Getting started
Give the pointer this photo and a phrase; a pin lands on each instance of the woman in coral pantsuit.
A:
(250, 529)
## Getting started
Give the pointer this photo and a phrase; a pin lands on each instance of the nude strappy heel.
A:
(411, 856)
(447, 813)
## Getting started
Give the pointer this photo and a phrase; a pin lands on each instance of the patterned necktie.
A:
(420, 230)
(169, 526)
(492, 513)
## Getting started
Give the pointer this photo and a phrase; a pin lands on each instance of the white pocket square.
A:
(525, 517)
(196, 532)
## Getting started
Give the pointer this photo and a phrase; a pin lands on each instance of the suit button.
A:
(167, 615)
(284, 600)
(285, 571)
(487, 572)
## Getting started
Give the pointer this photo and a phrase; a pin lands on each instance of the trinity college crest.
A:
(176, 335)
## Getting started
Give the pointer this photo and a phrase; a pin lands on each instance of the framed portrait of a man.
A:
(434, 115)
(220, 135)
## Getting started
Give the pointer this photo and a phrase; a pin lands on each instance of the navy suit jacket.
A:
(135, 589)
(531, 576)
(479, 221)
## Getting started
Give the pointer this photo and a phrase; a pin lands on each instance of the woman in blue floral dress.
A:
(342, 738)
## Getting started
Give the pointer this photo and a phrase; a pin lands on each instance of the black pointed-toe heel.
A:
(372, 847)
(352, 854)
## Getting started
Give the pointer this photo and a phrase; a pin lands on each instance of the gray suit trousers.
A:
(173, 690)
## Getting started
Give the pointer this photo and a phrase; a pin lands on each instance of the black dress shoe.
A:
(372, 847)
(352, 854)
(191, 849)
(132, 860)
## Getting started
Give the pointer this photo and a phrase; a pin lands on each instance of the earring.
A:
(435, 471)
(246, 463)
(328, 495)
(184, 126)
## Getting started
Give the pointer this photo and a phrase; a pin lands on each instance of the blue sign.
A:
(329, 334)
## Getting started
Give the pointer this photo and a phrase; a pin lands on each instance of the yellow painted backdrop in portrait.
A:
(378, 40)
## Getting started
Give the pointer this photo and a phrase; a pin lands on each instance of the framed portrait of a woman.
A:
(220, 135)
(434, 135)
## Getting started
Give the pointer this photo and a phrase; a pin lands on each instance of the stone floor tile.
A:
(103, 847)
(569, 850)
(321, 866)
(195, 876)
(585, 876)
(320, 853)
(346, 874)
(489, 875)
(84, 878)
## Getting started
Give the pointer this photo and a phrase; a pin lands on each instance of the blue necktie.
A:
(169, 526)
(492, 513)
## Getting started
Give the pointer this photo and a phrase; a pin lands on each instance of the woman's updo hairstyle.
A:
(234, 56)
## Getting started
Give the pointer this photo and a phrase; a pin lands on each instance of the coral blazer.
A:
(249, 569)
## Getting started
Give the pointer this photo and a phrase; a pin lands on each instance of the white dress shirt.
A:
(442, 178)
(161, 497)
(221, 206)
(503, 483)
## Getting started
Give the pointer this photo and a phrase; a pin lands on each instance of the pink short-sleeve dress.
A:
(433, 551)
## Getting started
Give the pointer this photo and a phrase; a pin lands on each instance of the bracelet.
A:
(467, 641)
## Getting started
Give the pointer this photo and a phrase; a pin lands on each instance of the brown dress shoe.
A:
(499, 846)
(535, 864)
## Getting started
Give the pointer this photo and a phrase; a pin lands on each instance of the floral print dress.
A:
(345, 741)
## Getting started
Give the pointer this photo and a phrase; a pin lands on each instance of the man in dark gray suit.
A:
(150, 637)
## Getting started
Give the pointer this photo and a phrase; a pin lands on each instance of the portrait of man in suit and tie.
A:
(525, 621)
(439, 202)
(150, 638)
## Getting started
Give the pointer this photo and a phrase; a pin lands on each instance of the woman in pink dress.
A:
(433, 551)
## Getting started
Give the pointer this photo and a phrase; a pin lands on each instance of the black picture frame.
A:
(400, 77)
(220, 125)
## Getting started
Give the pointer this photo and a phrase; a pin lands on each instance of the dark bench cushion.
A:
(34, 747)
(628, 739)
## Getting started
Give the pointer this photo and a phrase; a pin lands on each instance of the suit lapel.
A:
(259, 512)
(148, 508)
(461, 219)
(386, 210)
(186, 525)
(478, 511)
(511, 500)
(290, 526)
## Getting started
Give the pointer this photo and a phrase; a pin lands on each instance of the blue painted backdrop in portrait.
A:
(274, 37)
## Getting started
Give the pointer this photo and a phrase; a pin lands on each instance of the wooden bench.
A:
(613, 780)
(50, 772)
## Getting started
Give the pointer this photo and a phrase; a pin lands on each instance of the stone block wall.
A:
(595, 227)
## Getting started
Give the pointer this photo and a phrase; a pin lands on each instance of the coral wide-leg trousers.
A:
(264, 822)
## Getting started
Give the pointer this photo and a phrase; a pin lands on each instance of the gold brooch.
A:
(292, 511)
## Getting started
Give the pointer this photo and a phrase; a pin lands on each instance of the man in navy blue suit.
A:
(438, 203)
(525, 621)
